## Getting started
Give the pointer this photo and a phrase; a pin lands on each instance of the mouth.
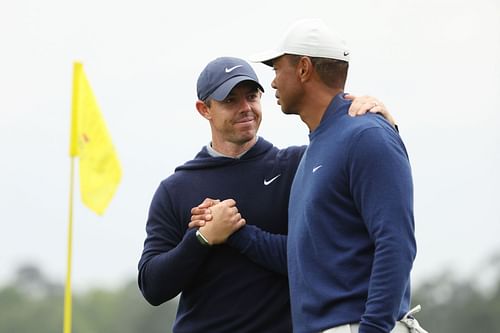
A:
(245, 120)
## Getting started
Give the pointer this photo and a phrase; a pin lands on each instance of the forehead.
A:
(280, 61)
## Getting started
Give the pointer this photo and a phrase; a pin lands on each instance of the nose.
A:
(273, 84)
(245, 105)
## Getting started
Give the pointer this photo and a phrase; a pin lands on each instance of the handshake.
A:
(216, 220)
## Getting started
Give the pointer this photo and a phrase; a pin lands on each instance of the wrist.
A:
(202, 239)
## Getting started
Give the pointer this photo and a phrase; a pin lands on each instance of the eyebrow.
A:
(249, 89)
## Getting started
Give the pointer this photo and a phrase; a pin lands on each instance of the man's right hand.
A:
(201, 213)
(225, 220)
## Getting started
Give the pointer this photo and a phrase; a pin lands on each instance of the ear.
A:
(203, 110)
(305, 69)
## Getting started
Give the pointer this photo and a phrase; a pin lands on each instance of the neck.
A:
(232, 149)
(316, 106)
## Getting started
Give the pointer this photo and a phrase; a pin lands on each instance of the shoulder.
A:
(375, 138)
(369, 120)
(288, 153)
(354, 128)
(292, 152)
(288, 158)
(178, 179)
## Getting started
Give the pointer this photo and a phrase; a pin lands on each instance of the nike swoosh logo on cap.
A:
(346, 53)
(229, 70)
(267, 182)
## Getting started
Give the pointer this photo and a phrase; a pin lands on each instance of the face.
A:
(237, 118)
(287, 85)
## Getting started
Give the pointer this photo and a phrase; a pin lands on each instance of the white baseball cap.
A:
(308, 37)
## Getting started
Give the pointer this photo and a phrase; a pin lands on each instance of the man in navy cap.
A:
(221, 289)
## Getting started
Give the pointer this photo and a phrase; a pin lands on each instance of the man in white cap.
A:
(222, 290)
(351, 242)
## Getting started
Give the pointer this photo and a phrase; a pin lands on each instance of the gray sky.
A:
(435, 64)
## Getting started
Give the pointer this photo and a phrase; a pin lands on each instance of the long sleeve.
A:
(170, 259)
(262, 247)
(382, 189)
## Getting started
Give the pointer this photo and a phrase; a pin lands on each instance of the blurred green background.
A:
(32, 303)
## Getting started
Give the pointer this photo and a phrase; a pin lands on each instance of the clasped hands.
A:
(216, 219)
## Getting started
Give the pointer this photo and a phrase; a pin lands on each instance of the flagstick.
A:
(67, 289)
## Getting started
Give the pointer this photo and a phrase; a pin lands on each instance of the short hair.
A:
(332, 72)
(208, 102)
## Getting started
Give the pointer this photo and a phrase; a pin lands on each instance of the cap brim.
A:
(266, 57)
(224, 89)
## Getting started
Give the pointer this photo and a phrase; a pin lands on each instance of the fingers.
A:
(236, 218)
(196, 224)
(203, 216)
(381, 109)
(349, 96)
(364, 104)
(200, 214)
(227, 206)
(229, 202)
(202, 211)
(376, 109)
(240, 223)
(223, 210)
(208, 202)
(225, 221)
(199, 210)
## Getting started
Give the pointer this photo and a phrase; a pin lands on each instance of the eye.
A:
(253, 96)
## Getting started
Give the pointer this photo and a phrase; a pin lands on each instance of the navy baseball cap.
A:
(221, 75)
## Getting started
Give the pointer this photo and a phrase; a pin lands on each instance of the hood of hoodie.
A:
(203, 160)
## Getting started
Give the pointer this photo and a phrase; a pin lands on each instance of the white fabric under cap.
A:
(308, 37)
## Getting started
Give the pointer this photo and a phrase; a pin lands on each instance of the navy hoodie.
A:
(221, 289)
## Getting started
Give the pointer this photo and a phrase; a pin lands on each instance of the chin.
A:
(248, 135)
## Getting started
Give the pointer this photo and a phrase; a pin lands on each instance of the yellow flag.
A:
(100, 170)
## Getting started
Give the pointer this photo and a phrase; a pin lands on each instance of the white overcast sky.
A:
(435, 64)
